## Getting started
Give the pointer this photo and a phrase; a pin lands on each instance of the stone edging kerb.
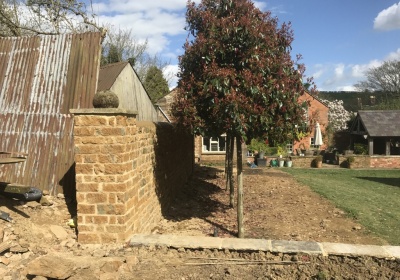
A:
(103, 111)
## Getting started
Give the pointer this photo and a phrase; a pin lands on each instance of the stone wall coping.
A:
(283, 246)
(103, 111)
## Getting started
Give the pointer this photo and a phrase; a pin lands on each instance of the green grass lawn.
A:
(370, 196)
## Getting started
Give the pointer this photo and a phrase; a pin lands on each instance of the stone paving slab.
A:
(282, 246)
(355, 250)
(246, 244)
(394, 251)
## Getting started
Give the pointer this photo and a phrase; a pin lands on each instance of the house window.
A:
(214, 144)
(289, 148)
(312, 143)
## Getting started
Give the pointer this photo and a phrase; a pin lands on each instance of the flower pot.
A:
(289, 163)
(281, 163)
(274, 163)
(261, 155)
(318, 164)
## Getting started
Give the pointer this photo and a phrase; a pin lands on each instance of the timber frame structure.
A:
(380, 130)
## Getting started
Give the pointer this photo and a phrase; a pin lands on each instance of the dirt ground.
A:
(275, 207)
(42, 245)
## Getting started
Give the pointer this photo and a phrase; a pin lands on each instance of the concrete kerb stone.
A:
(355, 250)
(284, 246)
(279, 246)
(246, 244)
(394, 251)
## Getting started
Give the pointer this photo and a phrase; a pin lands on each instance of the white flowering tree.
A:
(338, 116)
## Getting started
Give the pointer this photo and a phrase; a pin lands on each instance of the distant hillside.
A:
(354, 101)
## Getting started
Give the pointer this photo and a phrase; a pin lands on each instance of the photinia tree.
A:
(237, 77)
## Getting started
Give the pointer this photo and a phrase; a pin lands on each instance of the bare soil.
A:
(276, 207)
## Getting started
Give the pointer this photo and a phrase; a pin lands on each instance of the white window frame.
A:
(312, 145)
(209, 148)
(289, 147)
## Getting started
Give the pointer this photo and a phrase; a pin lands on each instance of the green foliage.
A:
(392, 104)
(322, 275)
(318, 158)
(237, 75)
(371, 196)
(155, 84)
(257, 145)
(350, 159)
(383, 100)
(281, 150)
(360, 149)
(112, 56)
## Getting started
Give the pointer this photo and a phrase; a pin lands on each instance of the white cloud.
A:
(260, 5)
(153, 20)
(126, 6)
(358, 70)
(346, 88)
(394, 55)
(388, 19)
(339, 69)
(170, 72)
(318, 74)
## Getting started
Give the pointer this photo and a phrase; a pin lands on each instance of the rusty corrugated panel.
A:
(108, 74)
(41, 78)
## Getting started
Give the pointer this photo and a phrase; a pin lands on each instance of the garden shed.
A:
(122, 79)
(378, 130)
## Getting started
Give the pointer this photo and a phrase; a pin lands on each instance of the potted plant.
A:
(281, 161)
(350, 161)
(289, 162)
(317, 161)
(258, 146)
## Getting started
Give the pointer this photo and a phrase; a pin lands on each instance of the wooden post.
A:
(370, 146)
(388, 147)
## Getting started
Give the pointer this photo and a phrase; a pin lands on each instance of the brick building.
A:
(212, 149)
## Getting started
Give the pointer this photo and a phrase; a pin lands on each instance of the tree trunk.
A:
(239, 187)
(230, 172)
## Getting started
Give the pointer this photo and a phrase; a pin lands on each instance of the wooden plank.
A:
(10, 160)
(14, 154)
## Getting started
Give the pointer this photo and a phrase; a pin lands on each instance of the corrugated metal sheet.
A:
(41, 78)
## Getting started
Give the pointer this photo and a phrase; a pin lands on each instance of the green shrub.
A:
(360, 149)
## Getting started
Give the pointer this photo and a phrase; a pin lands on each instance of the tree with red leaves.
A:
(237, 77)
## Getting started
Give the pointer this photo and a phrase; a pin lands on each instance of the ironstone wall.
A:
(126, 172)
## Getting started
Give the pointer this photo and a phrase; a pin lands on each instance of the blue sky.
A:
(338, 40)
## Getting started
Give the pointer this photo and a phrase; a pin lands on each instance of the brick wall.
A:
(319, 113)
(360, 161)
(126, 172)
(385, 161)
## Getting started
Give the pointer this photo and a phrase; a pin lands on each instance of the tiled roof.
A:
(381, 123)
(108, 74)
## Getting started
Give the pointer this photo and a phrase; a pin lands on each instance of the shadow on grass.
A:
(386, 181)
(195, 199)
